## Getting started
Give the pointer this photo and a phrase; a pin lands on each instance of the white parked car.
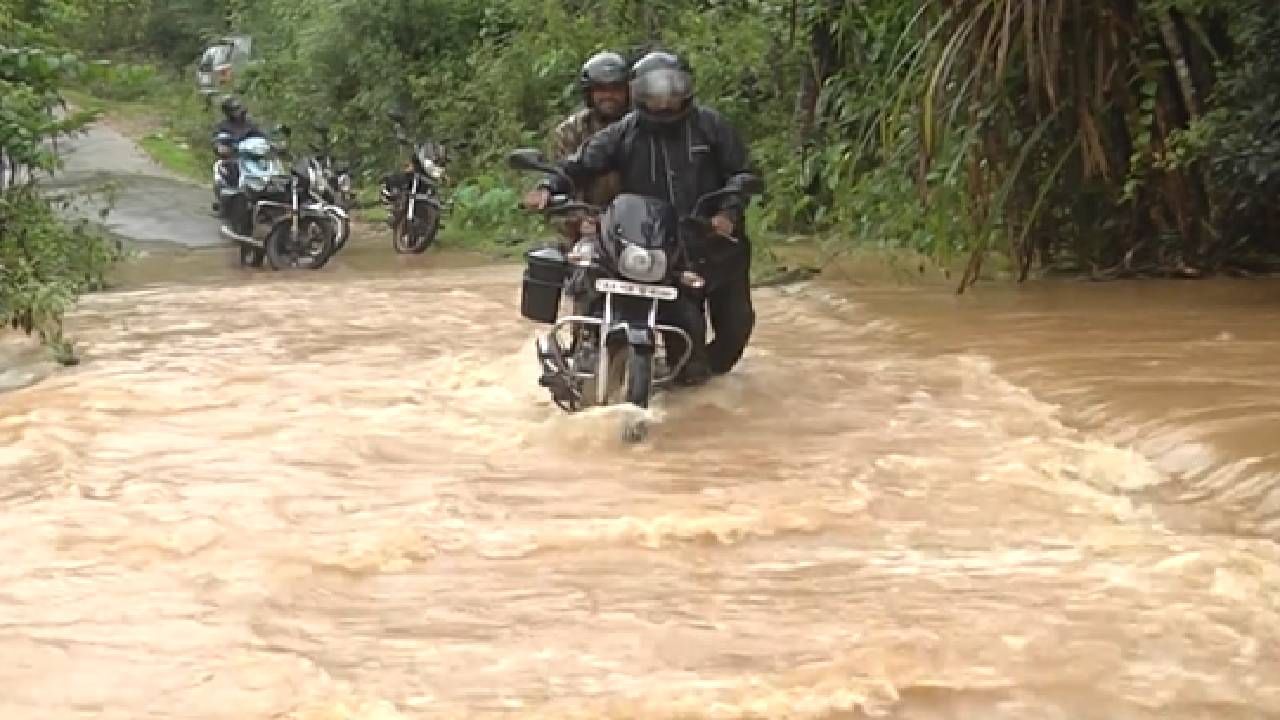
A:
(221, 62)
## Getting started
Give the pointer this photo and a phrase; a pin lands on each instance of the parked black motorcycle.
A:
(412, 195)
(622, 282)
(334, 183)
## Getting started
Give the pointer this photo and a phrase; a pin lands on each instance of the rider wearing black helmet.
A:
(673, 148)
(235, 126)
(603, 83)
(236, 122)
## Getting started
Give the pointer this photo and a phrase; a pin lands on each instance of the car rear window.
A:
(213, 56)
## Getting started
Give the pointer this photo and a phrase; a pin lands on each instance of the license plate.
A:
(653, 292)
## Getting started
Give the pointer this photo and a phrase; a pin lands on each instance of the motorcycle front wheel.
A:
(638, 384)
(630, 380)
(309, 249)
(413, 238)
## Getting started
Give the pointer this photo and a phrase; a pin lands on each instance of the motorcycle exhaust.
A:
(229, 234)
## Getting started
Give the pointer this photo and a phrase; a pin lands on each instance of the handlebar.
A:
(704, 225)
(562, 205)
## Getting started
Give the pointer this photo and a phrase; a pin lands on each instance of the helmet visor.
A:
(606, 74)
(662, 90)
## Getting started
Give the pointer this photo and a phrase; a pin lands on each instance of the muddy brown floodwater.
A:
(342, 495)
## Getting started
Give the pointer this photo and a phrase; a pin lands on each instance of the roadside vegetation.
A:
(1107, 137)
(46, 261)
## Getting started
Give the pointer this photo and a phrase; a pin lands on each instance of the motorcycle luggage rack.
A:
(554, 370)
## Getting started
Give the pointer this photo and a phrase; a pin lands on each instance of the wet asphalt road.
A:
(151, 204)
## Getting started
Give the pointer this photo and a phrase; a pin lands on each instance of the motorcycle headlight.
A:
(435, 172)
(641, 265)
(344, 183)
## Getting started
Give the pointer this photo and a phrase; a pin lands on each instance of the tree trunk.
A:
(824, 53)
(1181, 65)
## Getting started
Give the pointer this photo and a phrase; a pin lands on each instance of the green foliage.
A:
(1079, 134)
(1241, 136)
(129, 83)
(481, 77)
(29, 79)
(1101, 135)
(485, 202)
(45, 264)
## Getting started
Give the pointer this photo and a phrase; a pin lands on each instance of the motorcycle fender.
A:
(338, 211)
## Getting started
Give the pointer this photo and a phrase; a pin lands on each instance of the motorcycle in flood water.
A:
(622, 282)
(267, 209)
(412, 195)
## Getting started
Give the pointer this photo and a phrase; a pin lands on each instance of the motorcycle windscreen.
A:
(263, 167)
(648, 222)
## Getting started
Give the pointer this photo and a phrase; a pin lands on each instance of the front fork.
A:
(295, 221)
(413, 201)
(640, 338)
(590, 331)
(411, 204)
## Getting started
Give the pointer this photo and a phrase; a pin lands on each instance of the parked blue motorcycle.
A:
(268, 209)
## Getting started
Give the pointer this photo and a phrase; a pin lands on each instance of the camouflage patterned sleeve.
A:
(565, 139)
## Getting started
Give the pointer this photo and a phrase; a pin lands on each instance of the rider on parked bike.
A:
(234, 127)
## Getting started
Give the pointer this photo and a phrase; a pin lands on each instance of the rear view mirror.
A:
(747, 183)
(740, 184)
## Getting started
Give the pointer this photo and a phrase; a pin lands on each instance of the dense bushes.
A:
(1110, 136)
